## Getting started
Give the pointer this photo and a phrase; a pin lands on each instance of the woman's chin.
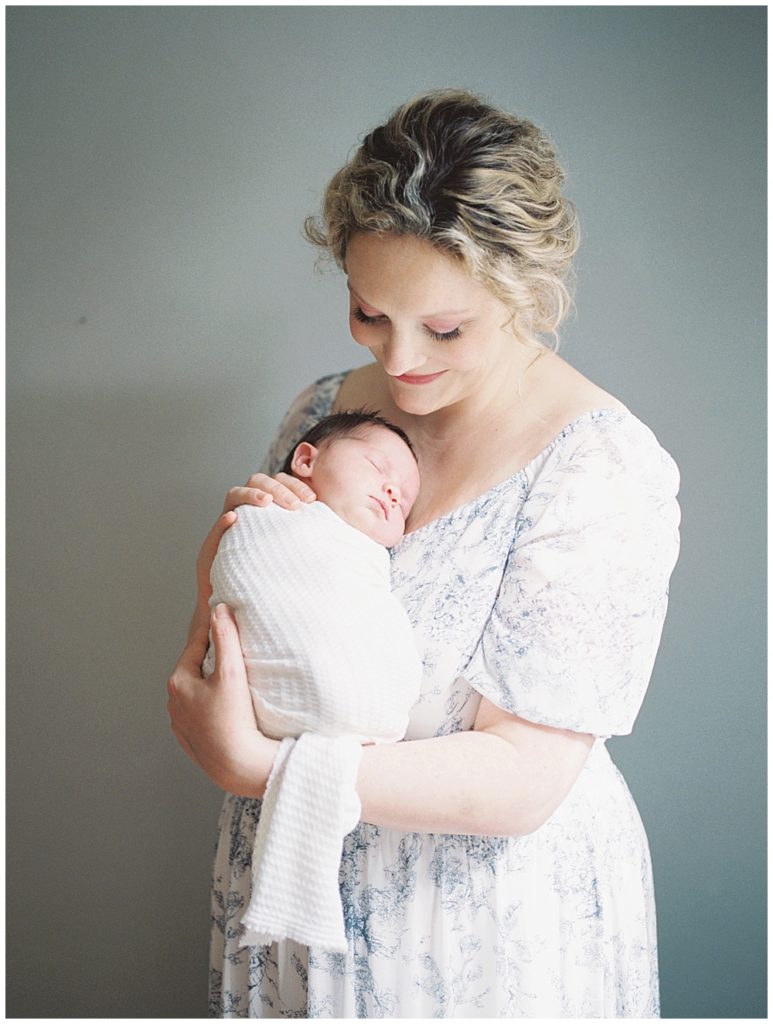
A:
(416, 400)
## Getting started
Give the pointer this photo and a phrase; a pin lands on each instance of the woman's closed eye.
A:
(443, 335)
(363, 318)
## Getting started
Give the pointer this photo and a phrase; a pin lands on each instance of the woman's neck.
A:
(501, 402)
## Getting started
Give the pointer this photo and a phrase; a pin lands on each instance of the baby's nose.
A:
(394, 493)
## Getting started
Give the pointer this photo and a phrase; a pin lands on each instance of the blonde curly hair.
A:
(477, 183)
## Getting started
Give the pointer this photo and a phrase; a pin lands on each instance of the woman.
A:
(500, 868)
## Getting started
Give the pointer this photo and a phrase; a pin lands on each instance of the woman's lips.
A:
(419, 378)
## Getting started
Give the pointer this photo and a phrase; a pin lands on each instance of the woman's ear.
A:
(304, 457)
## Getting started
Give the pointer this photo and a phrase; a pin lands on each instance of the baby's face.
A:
(370, 479)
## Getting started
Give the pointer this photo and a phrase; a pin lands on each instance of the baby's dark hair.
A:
(344, 424)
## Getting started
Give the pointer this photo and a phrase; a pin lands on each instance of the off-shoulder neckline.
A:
(600, 413)
(521, 474)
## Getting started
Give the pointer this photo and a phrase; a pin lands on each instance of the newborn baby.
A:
(330, 656)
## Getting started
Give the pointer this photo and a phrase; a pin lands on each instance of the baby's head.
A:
(363, 468)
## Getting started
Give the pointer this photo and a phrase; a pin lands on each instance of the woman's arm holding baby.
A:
(506, 777)
(212, 718)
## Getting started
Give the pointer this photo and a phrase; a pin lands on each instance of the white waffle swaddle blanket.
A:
(332, 663)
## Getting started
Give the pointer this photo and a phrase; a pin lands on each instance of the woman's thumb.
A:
(225, 637)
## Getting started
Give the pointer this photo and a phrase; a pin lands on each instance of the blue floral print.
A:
(547, 596)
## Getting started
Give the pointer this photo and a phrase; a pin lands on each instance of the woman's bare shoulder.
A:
(569, 394)
(362, 387)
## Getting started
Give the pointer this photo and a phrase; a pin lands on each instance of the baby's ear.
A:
(304, 457)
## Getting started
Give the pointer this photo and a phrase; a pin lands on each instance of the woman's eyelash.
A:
(447, 336)
(363, 318)
(358, 314)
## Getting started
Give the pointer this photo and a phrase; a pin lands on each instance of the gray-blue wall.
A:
(163, 310)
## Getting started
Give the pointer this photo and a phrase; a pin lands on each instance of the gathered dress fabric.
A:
(546, 595)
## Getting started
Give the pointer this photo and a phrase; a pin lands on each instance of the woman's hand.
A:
(213, 719)
(283, 489)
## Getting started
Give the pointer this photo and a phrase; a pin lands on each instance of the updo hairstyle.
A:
(477, 183)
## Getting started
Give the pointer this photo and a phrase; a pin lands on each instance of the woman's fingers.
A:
(212, 719)
(189, 664)
(192, 658)
(283, 482)
(225, 638)
(246, 496)
(283, 489)
(186, 673)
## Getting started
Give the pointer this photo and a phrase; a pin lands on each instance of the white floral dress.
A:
(547, 596)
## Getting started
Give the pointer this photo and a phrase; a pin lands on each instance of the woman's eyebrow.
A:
(356, 294)
(359, 298)
(421, 316)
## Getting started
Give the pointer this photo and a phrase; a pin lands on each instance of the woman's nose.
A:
(399, 354)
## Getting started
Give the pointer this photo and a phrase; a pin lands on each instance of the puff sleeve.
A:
(306, 410)
(572, 636)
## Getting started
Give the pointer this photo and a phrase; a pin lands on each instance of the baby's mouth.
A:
(384, 506)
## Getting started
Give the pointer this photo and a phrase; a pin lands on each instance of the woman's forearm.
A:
(505, 777)
(506, 780)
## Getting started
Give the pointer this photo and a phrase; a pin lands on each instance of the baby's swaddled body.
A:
(328, 647)
(331, 659)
